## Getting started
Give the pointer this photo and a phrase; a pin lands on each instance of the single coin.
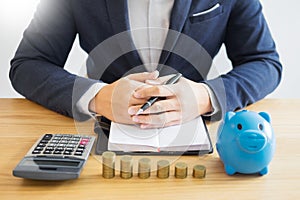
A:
(163, 169)
(181, 169)
(199, 171)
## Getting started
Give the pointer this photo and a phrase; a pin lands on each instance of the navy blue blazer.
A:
(37, 70)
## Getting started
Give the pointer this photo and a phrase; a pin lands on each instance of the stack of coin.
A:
(199, 171)
(126, 167)
(108, 164)
(144, 168)
(181, 170)
(163, 169)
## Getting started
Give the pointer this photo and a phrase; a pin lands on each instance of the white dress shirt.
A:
(149, 24)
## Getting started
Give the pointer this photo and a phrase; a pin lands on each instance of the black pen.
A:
(152, 100)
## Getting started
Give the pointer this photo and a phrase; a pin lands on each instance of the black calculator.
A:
(55, 157)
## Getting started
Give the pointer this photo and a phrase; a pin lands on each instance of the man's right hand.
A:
(114, 99)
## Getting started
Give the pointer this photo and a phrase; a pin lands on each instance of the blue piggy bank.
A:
(246, 142)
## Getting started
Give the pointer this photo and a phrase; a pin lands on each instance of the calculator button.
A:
(58, 135)
(50, 148)
(41, 145)
(83, 142)
(64, 142)
(73, 142)
(70, 145)
(51, 145)
(36, 152)
(67, 136)
(57, 152)
(39, 148)
(47, 152)
(69, 149)
(44, 141)
(78, 153)
(59, 149)
(79, 150)
(67, 153)
(81, 146)
(47, 137)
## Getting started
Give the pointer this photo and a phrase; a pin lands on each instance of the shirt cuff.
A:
(83, 104)
(213, 100)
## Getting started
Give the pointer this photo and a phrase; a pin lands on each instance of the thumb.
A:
(158, 81)
(142, 77)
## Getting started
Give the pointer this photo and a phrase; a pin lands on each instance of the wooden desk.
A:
(22, 123)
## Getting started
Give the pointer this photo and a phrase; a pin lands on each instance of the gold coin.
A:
(199, 171)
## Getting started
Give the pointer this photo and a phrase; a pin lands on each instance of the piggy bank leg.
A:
(229, 170)
(264, 171)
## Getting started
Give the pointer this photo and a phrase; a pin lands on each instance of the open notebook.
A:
(190, 136)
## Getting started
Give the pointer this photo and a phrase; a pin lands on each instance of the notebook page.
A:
(186, 135)
(133, 135)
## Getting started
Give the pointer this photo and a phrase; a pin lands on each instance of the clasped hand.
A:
(178, 103)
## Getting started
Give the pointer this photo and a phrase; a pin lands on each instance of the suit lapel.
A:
(119, 19)
(179, 15)
(118, 15)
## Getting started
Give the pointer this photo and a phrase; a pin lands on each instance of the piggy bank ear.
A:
(266, 116)
(229, 115)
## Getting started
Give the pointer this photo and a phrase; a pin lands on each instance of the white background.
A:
(283, 18)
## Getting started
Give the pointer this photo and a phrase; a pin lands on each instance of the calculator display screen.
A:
(52, 163)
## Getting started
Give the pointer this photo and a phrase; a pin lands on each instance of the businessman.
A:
(37, 70)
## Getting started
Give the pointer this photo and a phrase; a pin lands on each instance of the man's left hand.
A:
(180, 102)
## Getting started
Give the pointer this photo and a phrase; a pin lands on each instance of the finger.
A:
(159, 119)
(134, 102)
(155, 91)
(142, 77)
(154, 82)
(141, 86)
(158, 107)
(159, 81)
(149, 126)
(138, 101)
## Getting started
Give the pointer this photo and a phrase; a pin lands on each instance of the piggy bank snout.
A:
(252, 141)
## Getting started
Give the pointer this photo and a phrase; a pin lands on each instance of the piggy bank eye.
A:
(239, 126)
(261, 127)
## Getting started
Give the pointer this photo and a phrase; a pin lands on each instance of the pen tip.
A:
(139, 112)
